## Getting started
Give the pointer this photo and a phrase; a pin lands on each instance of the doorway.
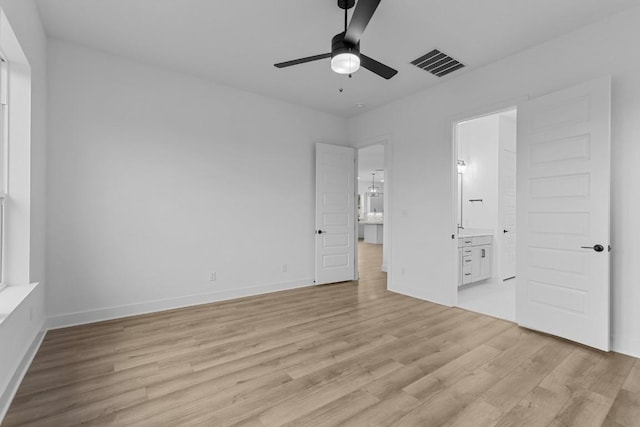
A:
(486, 213)
(371, 209)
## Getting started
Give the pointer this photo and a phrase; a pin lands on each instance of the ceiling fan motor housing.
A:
(340, 45)
(346, 4)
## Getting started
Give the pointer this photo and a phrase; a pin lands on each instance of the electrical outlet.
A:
(284, 268)
(212, 276)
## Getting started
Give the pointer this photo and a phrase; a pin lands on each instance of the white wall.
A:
(478, 146)
(153, 185)
(420, 128)
(19, 331)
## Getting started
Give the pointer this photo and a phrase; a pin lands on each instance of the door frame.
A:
(488, 110)
(501, 238)
(385, 141)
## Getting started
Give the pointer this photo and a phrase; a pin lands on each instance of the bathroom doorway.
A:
(371, 207)
(486, 213)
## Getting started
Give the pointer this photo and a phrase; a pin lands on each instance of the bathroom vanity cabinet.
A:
(475, 255)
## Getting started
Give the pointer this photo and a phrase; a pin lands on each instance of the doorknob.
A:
(597, 248)
(319, 232)
(505, 231)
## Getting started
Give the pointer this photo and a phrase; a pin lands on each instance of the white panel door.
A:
(507, 212)
(563, 174)
(335, 214)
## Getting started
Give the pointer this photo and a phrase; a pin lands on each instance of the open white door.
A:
(335, 214)
(563, 174)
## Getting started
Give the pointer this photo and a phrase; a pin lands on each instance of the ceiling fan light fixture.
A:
(345, 63)
(345, 46)
(373, 188)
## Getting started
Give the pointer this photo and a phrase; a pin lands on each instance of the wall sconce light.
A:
(462, 166)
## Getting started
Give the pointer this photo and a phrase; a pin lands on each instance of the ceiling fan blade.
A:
(360, 19)
(302, 60)
(377, 67)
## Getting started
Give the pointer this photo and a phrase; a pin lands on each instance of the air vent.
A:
(437, 63)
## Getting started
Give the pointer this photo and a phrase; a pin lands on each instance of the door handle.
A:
(319, 232)
(597, 248)
(505, 231)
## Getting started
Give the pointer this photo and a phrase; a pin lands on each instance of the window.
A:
(15, 167)
(4, 116)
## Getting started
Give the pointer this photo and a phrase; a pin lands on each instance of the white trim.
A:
(117, 312)
(356, 215)
(626, 344)
(12, 388)
(409, 291)
(3, 233)
(12, 297)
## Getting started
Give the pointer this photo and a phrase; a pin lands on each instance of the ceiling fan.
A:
(345, 47)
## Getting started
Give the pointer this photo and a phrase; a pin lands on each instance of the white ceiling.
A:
(236, 42)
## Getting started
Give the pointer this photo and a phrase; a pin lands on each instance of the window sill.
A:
(11, 297)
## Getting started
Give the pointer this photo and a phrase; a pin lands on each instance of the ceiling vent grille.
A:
(437, 63)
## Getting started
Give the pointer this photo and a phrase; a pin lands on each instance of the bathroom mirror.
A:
(374, 202)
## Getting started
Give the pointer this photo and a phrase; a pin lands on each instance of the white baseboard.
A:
(97, 315)
(620, 344)
(12, 388)
(411, 292)
(626, 345)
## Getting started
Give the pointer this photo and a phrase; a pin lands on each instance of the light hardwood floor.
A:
(345, 354)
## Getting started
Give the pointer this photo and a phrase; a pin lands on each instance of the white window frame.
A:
(4, 174)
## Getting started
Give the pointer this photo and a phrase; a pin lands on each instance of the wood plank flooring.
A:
(348, 354)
